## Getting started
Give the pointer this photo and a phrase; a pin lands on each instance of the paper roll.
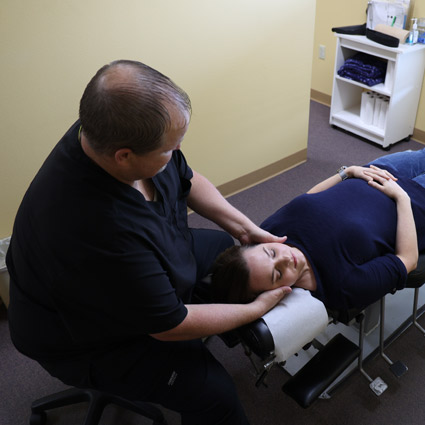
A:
(366, 107)
(295, 322)
(377, 111)
(383, 113)
(393, 31)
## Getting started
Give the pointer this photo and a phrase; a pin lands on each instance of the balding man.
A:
(103, 264)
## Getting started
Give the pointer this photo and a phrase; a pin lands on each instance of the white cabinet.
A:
(403, 84)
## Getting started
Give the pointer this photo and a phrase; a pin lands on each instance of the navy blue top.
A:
(348, 235)
(92, 263)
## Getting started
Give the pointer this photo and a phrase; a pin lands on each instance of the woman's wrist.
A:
(342, 172)
(351, 171)
(403, 197)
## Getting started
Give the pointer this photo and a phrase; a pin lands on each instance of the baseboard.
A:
(285, 164)
(320, 97)
(419, 136)
(325, 99)
(265, 173)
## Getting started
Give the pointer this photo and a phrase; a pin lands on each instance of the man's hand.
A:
(255, 234)
(268, 299)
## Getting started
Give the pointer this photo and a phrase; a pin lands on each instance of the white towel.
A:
(295, 322)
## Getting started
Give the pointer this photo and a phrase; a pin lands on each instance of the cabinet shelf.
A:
(379, 88)
(350, 119)
(402, 86)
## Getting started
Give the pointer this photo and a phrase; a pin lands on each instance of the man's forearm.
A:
(210, 319)
(206, 200)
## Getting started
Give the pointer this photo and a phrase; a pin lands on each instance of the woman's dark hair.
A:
(230, 277)
(125, 106)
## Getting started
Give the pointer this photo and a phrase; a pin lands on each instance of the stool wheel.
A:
(38, 418)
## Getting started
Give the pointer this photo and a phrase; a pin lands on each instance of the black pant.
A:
(198, 387)
(189, 380)
(186, 378)
(207, 244)
(195, 383)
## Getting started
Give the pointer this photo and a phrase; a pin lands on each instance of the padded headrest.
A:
(351, 30)
(381, 38)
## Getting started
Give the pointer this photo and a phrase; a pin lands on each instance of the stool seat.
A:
(97, 402)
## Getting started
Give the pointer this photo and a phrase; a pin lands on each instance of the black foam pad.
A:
(351, 30)
(258, 338)
(319, 373)
(381, 38)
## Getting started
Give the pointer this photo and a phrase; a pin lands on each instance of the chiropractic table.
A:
(296, 322)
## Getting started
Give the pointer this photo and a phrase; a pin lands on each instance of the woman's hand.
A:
(369, 173)
(389, 187)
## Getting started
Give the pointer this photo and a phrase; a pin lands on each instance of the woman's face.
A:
(272, 265)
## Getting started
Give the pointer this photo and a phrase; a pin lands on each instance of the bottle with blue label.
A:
(421, 31)
(413, 35)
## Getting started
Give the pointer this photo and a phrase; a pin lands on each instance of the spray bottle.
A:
(413, 35)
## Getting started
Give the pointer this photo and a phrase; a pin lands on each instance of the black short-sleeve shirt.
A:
(92, 263)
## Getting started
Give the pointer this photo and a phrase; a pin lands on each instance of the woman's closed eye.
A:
(278, 274)
(270, 252)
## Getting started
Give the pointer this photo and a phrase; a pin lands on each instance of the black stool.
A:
(97, 402)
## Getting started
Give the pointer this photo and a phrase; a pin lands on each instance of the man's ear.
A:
(122, 156)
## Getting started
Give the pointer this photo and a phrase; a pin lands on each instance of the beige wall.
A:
(245, 64)
(337, 13)
(329, 14)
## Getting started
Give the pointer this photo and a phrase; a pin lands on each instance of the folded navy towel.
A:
(364, 68)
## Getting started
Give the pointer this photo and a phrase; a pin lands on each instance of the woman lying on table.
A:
(350, 240)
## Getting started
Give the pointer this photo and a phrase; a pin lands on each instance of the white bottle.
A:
(421, 31)
(413, 35)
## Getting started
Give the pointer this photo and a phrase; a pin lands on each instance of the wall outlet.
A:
(322, 51)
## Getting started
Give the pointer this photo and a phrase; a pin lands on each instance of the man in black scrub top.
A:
(103, 264)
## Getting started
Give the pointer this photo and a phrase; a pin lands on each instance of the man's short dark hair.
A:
(126, 105)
